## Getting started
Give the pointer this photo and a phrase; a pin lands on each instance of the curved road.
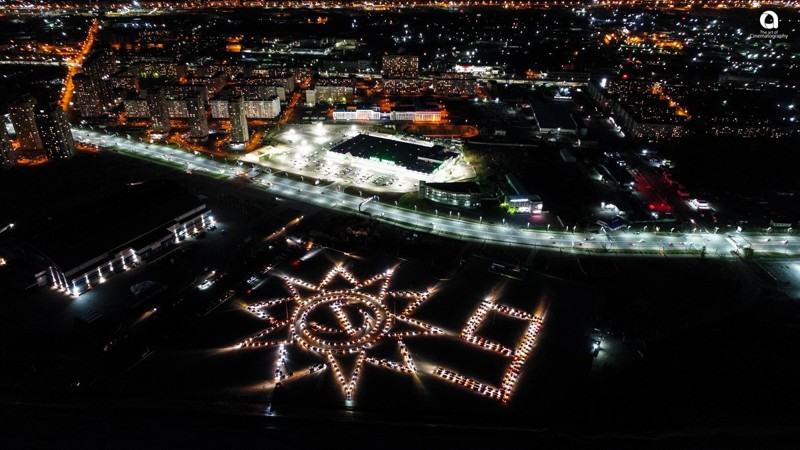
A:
(617, 242)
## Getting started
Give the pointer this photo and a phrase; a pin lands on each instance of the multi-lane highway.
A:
(616, 243)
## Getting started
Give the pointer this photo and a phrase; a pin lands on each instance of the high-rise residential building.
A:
(237, 114)
(101, 65)
(7, 156)
(330, 93)
(454, 84)
(136, 108)
(55, 132)
(88, 95)
(159, 111)
(402, 86)
(178, 108)
(253, 109)
(198, 118)
(400, 66)
(23, 117)
(219, 108)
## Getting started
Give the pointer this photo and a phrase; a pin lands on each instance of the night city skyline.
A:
(400, 224)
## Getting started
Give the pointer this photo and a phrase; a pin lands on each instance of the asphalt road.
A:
(620, 242)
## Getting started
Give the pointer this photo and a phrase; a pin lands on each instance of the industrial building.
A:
(77, 252)
(554, 119)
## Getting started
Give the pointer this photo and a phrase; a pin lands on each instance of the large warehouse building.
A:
(76, 252)
(419, 160)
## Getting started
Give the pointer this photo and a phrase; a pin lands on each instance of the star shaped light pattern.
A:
(341, 323)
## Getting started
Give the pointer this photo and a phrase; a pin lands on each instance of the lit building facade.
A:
(400, 66)
(354, 113)
(23, 117)
(219, 108)
(7, 156)
(88, 98)
(358, 114)
(159, 111)
(402, 86)
(237, 114)
(136, 108)
(524, 204)
(329, 94)
(458, 194)
(177, 108)
(253, 109)
(198, 118)
(455, 84)
(262, 109)
(416, 115)
(55, 132)
(260, 92)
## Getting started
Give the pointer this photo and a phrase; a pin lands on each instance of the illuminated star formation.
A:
(341, 324)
